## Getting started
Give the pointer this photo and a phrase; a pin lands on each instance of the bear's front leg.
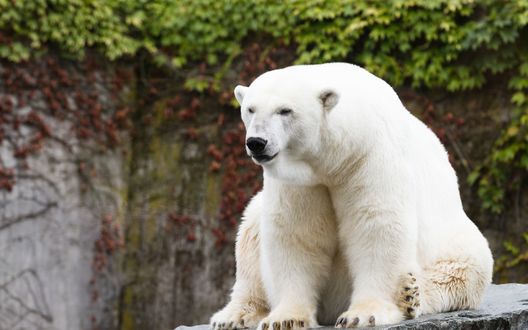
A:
(298, 242)
(248, 304)
(378, 238)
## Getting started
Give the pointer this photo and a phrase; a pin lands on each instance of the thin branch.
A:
(28, 216)
(458, 151)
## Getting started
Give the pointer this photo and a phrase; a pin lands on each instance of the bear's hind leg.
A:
(453, 284)
(248, 303)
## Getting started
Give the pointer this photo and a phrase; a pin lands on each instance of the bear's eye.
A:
(250, 110)
(285, 112)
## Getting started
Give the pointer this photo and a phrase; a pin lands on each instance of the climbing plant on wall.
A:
(453, 45)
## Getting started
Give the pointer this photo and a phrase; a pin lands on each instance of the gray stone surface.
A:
(504, 307)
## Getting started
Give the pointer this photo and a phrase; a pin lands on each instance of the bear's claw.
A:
(342, 322)
(231, 318)
(369, 314)
(284, 325)
(409, 297)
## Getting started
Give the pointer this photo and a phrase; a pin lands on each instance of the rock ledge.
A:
(504, 307)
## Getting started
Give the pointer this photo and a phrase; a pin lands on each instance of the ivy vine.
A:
(454, 45)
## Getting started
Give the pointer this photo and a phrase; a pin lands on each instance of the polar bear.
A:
(360, 221)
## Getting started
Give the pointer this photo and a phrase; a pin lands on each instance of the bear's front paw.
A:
(231, 318)
(370, 313)
(288, 319)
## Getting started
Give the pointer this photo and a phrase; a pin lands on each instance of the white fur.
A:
(359, 194)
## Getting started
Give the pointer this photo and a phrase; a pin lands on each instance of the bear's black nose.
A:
(256, 145)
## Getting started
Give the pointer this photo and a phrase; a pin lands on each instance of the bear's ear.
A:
(240, 91)
(328, 99)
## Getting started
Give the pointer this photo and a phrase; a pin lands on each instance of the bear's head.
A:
(284, 118)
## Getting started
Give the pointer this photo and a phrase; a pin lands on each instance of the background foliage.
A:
(447, 44)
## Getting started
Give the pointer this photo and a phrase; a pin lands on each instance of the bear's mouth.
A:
(263, 158)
